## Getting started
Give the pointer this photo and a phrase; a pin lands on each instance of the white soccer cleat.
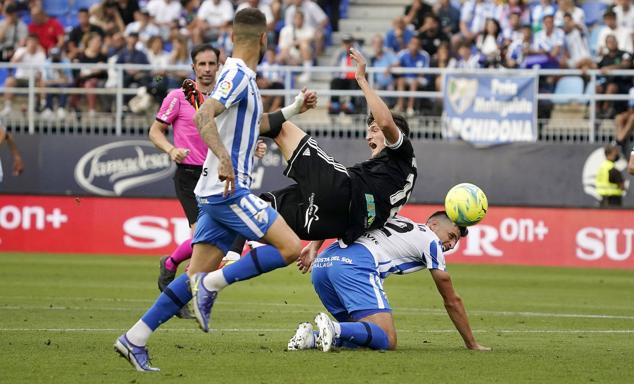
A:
(304, 338)
(326, 338)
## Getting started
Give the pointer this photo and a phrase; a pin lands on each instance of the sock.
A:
(364, 335)
(175, 296)
(258, 261)
(180, 254)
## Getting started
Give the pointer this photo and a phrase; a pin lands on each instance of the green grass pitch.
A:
(59, 316)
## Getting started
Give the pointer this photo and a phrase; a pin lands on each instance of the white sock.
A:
(215, 281)
(139, 334)
(337, 328)
(231, 256)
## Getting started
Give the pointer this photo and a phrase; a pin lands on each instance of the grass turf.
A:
(59, 316)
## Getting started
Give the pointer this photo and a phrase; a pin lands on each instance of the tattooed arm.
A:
(206, 124)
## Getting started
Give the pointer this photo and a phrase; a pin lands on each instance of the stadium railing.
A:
(585, 126)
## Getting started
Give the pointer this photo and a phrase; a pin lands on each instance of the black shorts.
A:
(317, 207)
(185, 179)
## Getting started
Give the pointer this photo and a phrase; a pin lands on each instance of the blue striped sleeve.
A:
(229, 89)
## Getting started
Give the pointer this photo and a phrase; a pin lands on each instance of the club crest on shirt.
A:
(224, 88)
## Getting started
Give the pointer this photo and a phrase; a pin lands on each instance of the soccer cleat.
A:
(192, 93)
(202, 300)
(304, 338)
(186, 312)
(326, 338)
(137, 356)
(165, 275)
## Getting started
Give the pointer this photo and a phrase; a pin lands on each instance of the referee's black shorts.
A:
(317, 207)
(185, 179)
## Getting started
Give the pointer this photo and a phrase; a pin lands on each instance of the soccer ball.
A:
(466, 204)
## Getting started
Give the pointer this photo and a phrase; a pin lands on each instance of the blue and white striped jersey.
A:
(238, 127)
(403, 246)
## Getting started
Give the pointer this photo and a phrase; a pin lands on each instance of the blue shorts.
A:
(348, 283)
(220, 220)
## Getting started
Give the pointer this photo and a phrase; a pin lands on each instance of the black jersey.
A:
(380, 186)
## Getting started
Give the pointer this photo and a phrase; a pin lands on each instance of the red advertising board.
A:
(127, 226)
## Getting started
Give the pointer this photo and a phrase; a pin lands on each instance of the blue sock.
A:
(260, 260)
(364, 335)
(173, 298)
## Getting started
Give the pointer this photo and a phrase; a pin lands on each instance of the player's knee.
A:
(391, 341)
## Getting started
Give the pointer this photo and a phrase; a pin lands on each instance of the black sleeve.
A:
(405, 149)
(615, 176)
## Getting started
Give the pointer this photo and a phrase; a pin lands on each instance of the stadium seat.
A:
(56, 8)
(568, 85)
(593, 10)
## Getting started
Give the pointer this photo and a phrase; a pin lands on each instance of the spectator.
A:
(412, 57)
(624, 123)
(513, 30)
(269, 78)
(31, 54)
(296, 45)
(49, 31)
(106, 16)
(56, 78)
(114, 43)
(189, 23)
(164, 12)
(262, 6)
(490, 44)
(382, 58)
(448, 15)
(577, 14)
(504, 13)
(624, 14)
(144, 27)
(623, 34)
(544, 7)
(473, 18)
(90, 78)
(415, 13)
(549, 41)
(215, 17)
(613, 59)
(331, 8)
(520, 49)
(431, 34)
(399, 35)
(159, 59)
(18, 164)
(126, 9)
(443, 56)
(344, 80)
(609, 182)
(77, 33)
(179, 56)
(466, 58)
(314, 18)
(13, 33)
(133, 78)
(576, 50)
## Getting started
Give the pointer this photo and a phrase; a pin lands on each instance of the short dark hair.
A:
(203, 48)
(443, 215)
(609, 13)
(399, 120)
(251, 17)
(83, 10)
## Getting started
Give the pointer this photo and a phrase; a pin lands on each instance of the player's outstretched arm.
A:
(205, 120)
(455, 309)
(271, 123)
(18, 165)
(377, 106)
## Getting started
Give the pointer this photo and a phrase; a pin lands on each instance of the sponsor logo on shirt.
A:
(224, 88)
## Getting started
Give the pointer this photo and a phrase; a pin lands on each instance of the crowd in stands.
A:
(445, 34)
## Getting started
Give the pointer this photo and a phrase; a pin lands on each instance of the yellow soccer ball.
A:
(466, 204)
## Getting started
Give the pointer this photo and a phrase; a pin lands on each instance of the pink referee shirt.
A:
(178, 113)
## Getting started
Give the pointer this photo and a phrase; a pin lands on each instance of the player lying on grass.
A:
(348, 282)
(329, 200)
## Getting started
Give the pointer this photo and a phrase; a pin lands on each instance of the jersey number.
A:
(253, 204)
(401, 227)
(402, 195)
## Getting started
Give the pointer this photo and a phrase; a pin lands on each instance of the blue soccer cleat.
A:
(202, 300)
(137, 356)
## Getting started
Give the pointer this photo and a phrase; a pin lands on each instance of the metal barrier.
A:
(587, 128)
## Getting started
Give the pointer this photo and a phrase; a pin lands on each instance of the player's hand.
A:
(18, 166)
(361, 63)
(192, 93)
(306, 258)
(178, 154)
(310, 100)
(226, 174)
(478, 347)
(260, 149)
